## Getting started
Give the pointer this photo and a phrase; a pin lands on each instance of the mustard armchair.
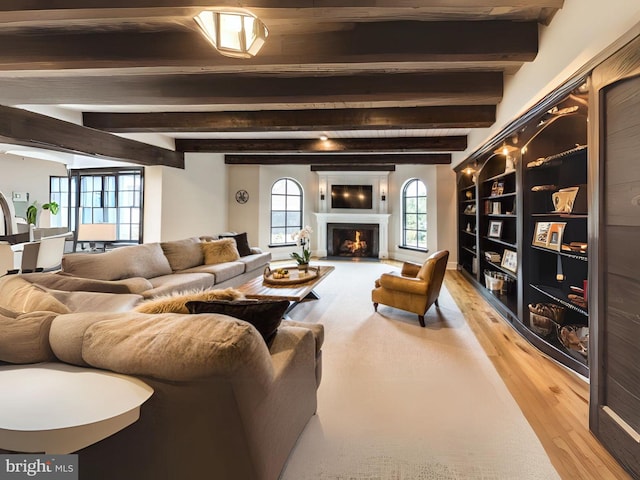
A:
(415, 289)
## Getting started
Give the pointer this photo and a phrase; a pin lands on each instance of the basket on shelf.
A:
(492, 281)
(545, 318)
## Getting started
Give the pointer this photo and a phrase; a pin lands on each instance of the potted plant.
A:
(32, 211)
(303, 239)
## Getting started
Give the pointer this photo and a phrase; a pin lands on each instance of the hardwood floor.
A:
(554, 400)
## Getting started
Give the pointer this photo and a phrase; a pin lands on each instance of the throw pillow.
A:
(183, 254)
(242, 243)
(220, 251)
(265, 315)
(175, 303)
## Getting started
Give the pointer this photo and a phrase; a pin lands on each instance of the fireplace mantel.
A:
(382, 219)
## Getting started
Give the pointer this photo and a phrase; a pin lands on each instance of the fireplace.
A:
(352, 240)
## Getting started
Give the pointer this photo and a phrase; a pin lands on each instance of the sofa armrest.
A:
(395, 282)
(178, 347)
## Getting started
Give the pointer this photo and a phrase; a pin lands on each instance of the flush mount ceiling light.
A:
(234, 33)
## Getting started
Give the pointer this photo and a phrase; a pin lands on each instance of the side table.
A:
(57, 408)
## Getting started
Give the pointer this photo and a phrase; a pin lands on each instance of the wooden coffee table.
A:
(297, 293)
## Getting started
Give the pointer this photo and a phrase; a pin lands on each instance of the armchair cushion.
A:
(416, 286)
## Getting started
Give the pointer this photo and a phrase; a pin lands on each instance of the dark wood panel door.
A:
(615, 382)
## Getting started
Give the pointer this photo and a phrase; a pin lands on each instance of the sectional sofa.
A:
(154, 269)
(225, 405)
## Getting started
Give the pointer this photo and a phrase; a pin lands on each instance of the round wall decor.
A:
(242, 196)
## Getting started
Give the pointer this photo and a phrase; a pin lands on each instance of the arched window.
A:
(414, 215)
(286, 211)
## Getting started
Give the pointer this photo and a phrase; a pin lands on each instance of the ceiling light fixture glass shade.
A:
(238, 34)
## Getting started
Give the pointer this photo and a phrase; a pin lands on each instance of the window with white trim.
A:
(414, 215)
(286, 211)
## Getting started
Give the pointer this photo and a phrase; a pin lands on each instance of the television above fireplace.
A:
(352, 196)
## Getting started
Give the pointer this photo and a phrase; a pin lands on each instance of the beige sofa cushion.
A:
(61, 281)
(178, 347)
(21, 296)
(220, 251)
(183, 254)
(97, 301)
(146, 260)
(220, 271)
(256, 261)
(25, 337)
(179, 282)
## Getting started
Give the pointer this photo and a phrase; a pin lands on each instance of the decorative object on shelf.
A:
(468, 229)
(541, 234)
(495, 229)
(575, 338)
(510, 260)
(550, 310)
(303, 239)
(541, 325)
(578, 247)
(242, 196)
(496, 208)
(470, 209)
(544, 188)
(559, 272)
(492, 281)
(564, 199)
(468, 194)
(497, 188)
(577, 300)
(493, 257)
(554, 236)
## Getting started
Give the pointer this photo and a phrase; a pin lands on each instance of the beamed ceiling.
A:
(395, 80)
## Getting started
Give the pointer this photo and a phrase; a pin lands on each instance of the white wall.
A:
(22, 174)
(580, 31)
(253, 217)
(185, 203)
(441, 228)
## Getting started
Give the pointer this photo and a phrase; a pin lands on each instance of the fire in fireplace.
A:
(348, 240)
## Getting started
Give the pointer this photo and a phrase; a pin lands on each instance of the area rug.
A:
(398, 401)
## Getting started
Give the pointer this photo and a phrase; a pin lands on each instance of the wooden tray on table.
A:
(293, 276)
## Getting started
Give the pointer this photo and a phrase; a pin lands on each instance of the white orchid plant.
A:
(303, 239)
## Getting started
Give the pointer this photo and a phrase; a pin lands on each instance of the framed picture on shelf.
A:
(495, 229)
(541, 234)
(510, 261)
(554, 236)
(497, 188)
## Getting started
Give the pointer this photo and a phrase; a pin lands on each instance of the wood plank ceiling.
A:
(378, 77)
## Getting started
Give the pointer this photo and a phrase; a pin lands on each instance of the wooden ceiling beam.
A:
(391, 144)
(366, 42)
(324, 161)
(84, 6)
(464, 88)
(469, 116)
(21, 127)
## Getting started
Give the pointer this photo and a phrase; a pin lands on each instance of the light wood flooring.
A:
(553, 399)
